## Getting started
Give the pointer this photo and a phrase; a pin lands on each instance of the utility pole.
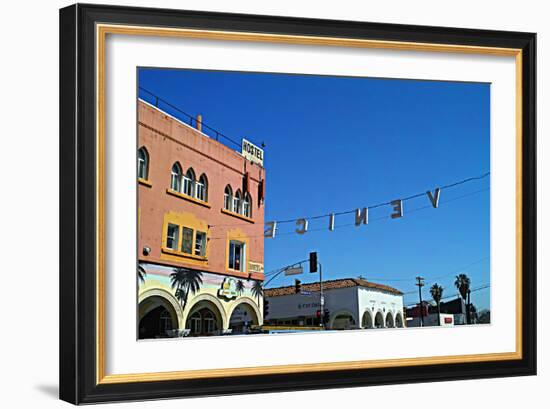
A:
(322, 299)
(420, 284)
(468, 316)
(314, 265)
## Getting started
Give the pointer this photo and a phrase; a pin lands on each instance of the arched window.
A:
(227, 198)
(399, 321)
(175, 181)
(143, 163)
(202, 188)
(165, 322)
(389, 320)
(189, 183)
(196, 321)
(203, 322)
(237, 202)
(209, 322)
(247, 205)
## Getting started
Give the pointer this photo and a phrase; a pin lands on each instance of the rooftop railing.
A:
(184, 117)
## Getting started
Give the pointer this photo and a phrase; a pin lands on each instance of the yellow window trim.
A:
(243, 240)
(182, 254)
(188, 198)
(237, 215)
(144, 182)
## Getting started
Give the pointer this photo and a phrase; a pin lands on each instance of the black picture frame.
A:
(78, 258)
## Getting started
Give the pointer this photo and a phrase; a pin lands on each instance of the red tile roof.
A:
(330, 285)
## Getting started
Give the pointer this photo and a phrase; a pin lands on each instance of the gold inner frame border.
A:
(102, 30)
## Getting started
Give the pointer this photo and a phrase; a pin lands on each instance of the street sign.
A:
(294, 271)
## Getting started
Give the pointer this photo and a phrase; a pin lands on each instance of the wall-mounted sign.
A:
(255, 267)
(252, 152)
(228, 288)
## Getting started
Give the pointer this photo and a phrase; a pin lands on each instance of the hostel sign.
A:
(251, 152)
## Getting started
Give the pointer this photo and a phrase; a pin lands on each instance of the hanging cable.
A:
(374, 206)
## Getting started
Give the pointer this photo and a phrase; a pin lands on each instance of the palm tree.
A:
(141, 273)
(185, 282)
(437, 293)
(462, 283)
(239, 287)
(257, 290)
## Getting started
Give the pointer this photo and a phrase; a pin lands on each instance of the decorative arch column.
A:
(367, 320)
(209, 301)
(379, 320)
(167, 297)
(250, 303)
(389, 320)
(340, 313)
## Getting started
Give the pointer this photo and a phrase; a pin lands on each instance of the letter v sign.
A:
(434, 198)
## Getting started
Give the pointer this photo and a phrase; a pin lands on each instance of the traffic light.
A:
(313, 262)
(326, 316)
(297, 286)
(266, 307)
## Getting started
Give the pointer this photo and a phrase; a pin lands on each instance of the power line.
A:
(280, 270)
(482, 287)
(427, 278)
(450, 274)
(370, 219)
(374, 206)
(372, 279)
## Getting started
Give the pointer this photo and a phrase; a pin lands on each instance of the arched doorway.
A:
(242, 317)
(157, 318)
(366, 322)
(204, 320)
(389, 320)
(399, 320)
(379, 320)
(343, 321)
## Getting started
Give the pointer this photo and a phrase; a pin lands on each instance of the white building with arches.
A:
(352, 303)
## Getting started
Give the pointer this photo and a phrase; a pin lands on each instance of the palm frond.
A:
(239, 286)
(181, 296)
(178, 277)
(189, 281)
(436, 292)
(141, 273)
(257, 289)
(462, 283)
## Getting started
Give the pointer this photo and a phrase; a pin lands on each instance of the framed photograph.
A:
(257, 204)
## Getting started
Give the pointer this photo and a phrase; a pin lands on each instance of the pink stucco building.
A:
(200, 208)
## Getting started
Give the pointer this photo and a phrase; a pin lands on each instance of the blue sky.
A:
(339, 143)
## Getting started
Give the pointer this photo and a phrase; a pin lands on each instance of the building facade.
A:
(452, 312)
(200, 222)
(431, 320)
(351, 303)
